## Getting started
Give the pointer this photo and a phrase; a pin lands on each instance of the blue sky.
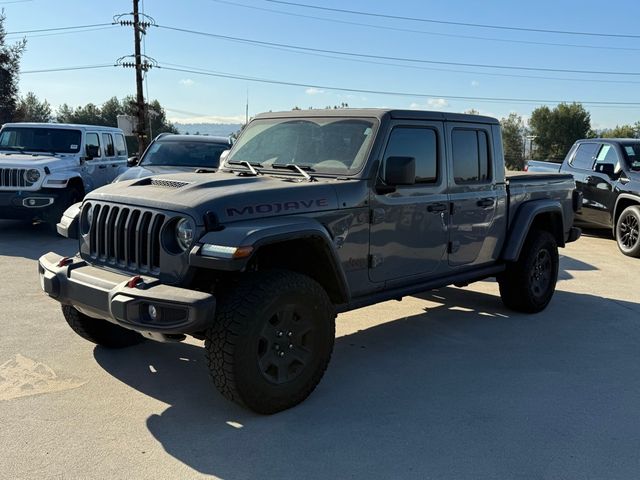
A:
(193, 97)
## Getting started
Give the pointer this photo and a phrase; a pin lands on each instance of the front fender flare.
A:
(265, 231)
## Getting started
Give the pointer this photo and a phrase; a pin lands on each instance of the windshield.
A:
(632, 152)
(329, 145)
(39, 139)
(184, 154)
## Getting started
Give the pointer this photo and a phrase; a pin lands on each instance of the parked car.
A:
(46, 167)
(607, 172)
(170, 153)
(312, 213)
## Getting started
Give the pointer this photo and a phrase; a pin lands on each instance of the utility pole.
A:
(141, 130)
(142, 63)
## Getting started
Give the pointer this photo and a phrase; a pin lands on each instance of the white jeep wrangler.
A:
(46, 167)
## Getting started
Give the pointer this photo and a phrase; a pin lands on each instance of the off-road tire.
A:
(628, 231)
(243, 339)
(100, 331)
(528, 284)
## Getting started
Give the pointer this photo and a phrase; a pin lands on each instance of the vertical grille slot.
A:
(14, 178)
(127, 237)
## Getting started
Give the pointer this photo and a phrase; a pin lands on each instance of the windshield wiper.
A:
(296, 168)
(247, 164)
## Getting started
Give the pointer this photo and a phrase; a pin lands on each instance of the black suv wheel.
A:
(271, 340)
(628, 231)
(528, 284)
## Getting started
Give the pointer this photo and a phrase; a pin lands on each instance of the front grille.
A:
(13, 177)
(126, 237)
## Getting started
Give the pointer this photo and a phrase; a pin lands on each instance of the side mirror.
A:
(132, 161)
(606, 168)
(92, 151)
(223, 156)
(400, 171)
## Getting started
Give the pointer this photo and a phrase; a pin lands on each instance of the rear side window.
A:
(471, 160)
(585, 156)
(120, 145)
(419, 143)
(92, 140)
(107, 140)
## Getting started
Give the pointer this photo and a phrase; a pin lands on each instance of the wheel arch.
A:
(623, 201)
(544, 215)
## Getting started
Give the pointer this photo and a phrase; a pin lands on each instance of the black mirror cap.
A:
(132, 161)
(606, 168)
(92, 151)
(400, 171)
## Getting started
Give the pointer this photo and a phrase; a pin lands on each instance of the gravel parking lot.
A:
(448, 384)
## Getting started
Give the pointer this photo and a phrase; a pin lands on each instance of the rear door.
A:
(474, 195)
(408, 235)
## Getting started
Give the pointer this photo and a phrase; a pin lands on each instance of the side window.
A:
(584, 156)
(121, 146)
(92, 145)
(607, 154)
(107, 141)
(417, 142)
(471, 160)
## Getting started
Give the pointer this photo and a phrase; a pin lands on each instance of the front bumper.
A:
(574, 234)
(103, 294)
(23, 205)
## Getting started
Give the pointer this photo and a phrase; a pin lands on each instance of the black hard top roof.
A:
(380, 113)
(610, 140)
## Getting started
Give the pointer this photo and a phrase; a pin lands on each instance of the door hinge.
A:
(449, 247)
(376, 216)
(452, 208)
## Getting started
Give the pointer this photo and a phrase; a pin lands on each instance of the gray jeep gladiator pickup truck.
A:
(312, 213)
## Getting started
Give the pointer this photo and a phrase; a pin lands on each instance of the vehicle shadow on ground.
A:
(467, 389)
(24, 239)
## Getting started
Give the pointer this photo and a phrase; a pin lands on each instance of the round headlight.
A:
(184, 233)
(32, 175)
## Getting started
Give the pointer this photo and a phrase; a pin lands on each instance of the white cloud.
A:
(313, 91)
(475, 83)
(437, 103)
(187, 82)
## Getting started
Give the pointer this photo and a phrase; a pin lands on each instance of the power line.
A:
(461, 24)
(70, 32)
(67, 69)
(15, 1)
(56, 29)
(401, 59)
(197, 71)
(423, 32)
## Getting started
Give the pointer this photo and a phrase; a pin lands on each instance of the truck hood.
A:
(143, 171)
(229, 196)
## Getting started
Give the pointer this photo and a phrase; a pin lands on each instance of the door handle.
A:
(102, 166)
(486, 202)
(114, 165)
(436, 207)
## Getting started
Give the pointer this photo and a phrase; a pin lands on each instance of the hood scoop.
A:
(167, 183)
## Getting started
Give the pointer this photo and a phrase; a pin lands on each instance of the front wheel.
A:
(64, 201)
(628, 231)
(528, 284)
(100, 331)
(271, 341)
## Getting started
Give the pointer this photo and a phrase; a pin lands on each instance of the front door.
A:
(408, 235)
(474, 196)
(598, 188)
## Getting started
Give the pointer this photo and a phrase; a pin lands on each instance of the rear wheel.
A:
(271, 340)
(528, 284)
(628, 231)
(100, 331)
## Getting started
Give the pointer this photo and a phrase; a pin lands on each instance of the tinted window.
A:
(36, 139)
(470, 156)
(121, 146)
(584, 156)
(92, 140)
(607, 154)
(107, 140)
(632, 152)
(419, 143)
(184, 154)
